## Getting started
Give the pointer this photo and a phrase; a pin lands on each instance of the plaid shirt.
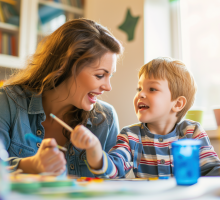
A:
(150, 155)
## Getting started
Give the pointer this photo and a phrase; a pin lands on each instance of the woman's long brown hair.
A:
(65, 53)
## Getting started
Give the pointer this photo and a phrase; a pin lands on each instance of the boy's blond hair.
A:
(180, 80)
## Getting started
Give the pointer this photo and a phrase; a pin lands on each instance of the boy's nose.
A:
(142, 95)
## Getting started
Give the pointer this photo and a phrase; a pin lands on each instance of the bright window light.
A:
(200, 28)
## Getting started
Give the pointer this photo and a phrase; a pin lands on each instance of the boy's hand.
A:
(83, 138)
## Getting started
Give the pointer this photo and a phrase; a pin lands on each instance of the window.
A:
(200, 28)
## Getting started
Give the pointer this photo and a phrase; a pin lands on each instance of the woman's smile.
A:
(92, 81)
(93, 97)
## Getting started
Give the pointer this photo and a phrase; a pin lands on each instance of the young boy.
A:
(166, 91)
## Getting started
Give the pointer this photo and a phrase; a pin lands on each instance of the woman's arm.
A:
(47, 158)
(6, 119)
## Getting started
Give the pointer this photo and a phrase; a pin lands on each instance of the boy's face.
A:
(152, 102)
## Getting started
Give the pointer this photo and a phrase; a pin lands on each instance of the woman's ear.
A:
(180, 103)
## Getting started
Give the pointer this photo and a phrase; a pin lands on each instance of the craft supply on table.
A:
(30, 183)
(164, 177)
(46, 186)
(134, 179)
(89, 179)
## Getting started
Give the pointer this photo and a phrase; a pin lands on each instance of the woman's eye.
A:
(152, 89)
(99, 76)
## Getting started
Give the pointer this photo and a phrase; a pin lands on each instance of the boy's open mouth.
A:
(142, 106)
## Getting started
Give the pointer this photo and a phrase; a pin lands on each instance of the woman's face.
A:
(92, 81)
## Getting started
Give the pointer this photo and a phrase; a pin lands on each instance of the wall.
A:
(111, 13)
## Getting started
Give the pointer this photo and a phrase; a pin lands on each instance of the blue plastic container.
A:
(186, 161)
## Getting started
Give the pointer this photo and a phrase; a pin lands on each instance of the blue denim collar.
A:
(36, 106)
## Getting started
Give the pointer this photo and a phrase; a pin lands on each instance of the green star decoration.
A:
(128, 26)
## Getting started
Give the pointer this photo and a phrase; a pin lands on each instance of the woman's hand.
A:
(47, 159)
(83, 138)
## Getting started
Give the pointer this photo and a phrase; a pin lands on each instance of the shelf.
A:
(27, 34)
(213, 134)
(8, 27)
(68, 8)
(11, 61)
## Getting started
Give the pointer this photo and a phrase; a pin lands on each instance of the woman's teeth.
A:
(93, 94)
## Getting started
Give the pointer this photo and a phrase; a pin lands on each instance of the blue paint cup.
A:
(186, 161)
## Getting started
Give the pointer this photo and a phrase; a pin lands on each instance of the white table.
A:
(207, 188)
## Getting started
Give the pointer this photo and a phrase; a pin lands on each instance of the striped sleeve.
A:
(209, 161)
(116, 163)
(105, 171)
(121, 154)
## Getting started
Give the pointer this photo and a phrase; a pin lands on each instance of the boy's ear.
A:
(180, 103)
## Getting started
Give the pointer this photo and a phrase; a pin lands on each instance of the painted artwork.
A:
(129, 25)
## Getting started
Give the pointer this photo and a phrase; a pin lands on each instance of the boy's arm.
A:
(94, 156)
(118, 162)
(83, 138)
(101, 164)
(209, 161)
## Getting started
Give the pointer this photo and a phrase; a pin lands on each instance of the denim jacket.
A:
(22, 112)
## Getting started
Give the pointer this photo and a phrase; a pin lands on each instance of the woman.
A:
(70, 68)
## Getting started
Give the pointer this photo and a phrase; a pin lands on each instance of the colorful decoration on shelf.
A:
(9, 13)
(1, 83)
(12, 2)
(129, 25)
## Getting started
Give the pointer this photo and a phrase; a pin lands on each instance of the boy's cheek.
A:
(137, 113)
(135, 102)
(140, 119)
(135, 109)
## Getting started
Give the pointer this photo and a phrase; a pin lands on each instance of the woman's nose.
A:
(107, 86)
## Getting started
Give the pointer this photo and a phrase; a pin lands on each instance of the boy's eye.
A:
(100, 76)
(152, 89)
(138, 89)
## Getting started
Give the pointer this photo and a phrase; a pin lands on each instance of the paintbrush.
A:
(66, 126)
